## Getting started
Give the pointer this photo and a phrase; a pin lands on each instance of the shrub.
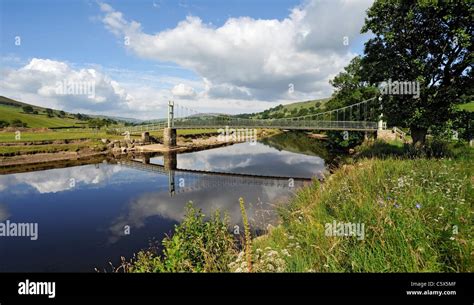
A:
(27, 109)
(4, 124)
(434, 148)
(17, 123)
(197, 245)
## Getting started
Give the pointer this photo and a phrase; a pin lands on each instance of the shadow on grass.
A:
(433, 149)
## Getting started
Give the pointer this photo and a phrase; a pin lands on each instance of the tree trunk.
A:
(418, 135)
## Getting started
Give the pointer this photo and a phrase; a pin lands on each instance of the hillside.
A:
(306, 104)
(11, 113)
(289, 110)
(40, 117)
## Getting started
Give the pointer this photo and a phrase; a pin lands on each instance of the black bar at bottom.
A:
(69, 285)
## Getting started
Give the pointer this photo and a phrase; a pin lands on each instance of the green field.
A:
(41, 120)
(56, 135)
(50, 148)
(291, 110)
(74, 134)
(306, 104)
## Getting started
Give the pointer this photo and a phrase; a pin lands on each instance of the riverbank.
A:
(44, 146)
(395, 211)
(416, 216)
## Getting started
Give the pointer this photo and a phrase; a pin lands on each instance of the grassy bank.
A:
(73, 134)
(417, 215)
(7, 151)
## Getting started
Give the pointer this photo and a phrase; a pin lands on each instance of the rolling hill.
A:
(38, 117)
(11, 113)
(289, 110)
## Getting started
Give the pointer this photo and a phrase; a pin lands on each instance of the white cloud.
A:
(245, 65)
(60, 180)
(250, 58)
(183, 91)
(139, 94)
(64, 87)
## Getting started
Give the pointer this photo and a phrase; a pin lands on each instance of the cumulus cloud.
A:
(183, 91)
(244, 65)
(66, 87)
(250, 58)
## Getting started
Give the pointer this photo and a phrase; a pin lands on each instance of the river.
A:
(90, 215)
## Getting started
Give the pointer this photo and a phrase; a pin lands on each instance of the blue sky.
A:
(166, 58)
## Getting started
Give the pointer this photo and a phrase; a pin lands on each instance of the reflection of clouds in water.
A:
(4, 214)
(258, 159)
(58, 180)
(160, 204)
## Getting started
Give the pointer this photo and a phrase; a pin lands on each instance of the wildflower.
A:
(418, 206)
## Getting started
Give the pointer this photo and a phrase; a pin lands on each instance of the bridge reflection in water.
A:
(186, 180)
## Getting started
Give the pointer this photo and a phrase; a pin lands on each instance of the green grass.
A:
(285, 110)
(383, 195)
(183, 132)
(468, 107)
(73, 134)
(41, 120)
(51, 148)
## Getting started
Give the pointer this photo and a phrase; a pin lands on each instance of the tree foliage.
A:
(27, 109)
(350, 88)
(429, 42)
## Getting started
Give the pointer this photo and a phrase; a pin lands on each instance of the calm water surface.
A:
(82, 211)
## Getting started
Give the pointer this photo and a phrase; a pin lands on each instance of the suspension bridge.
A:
(362, 116)
(185, 180)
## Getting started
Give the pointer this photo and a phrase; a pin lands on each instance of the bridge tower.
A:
(170, 114)
(169, 133)
(381, 125)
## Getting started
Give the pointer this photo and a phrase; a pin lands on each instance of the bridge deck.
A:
(270, 124)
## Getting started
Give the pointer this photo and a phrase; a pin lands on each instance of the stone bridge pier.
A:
(169, 137)
(170, 161)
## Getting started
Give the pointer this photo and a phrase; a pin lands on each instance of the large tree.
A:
(349, 86)
(430, 42)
